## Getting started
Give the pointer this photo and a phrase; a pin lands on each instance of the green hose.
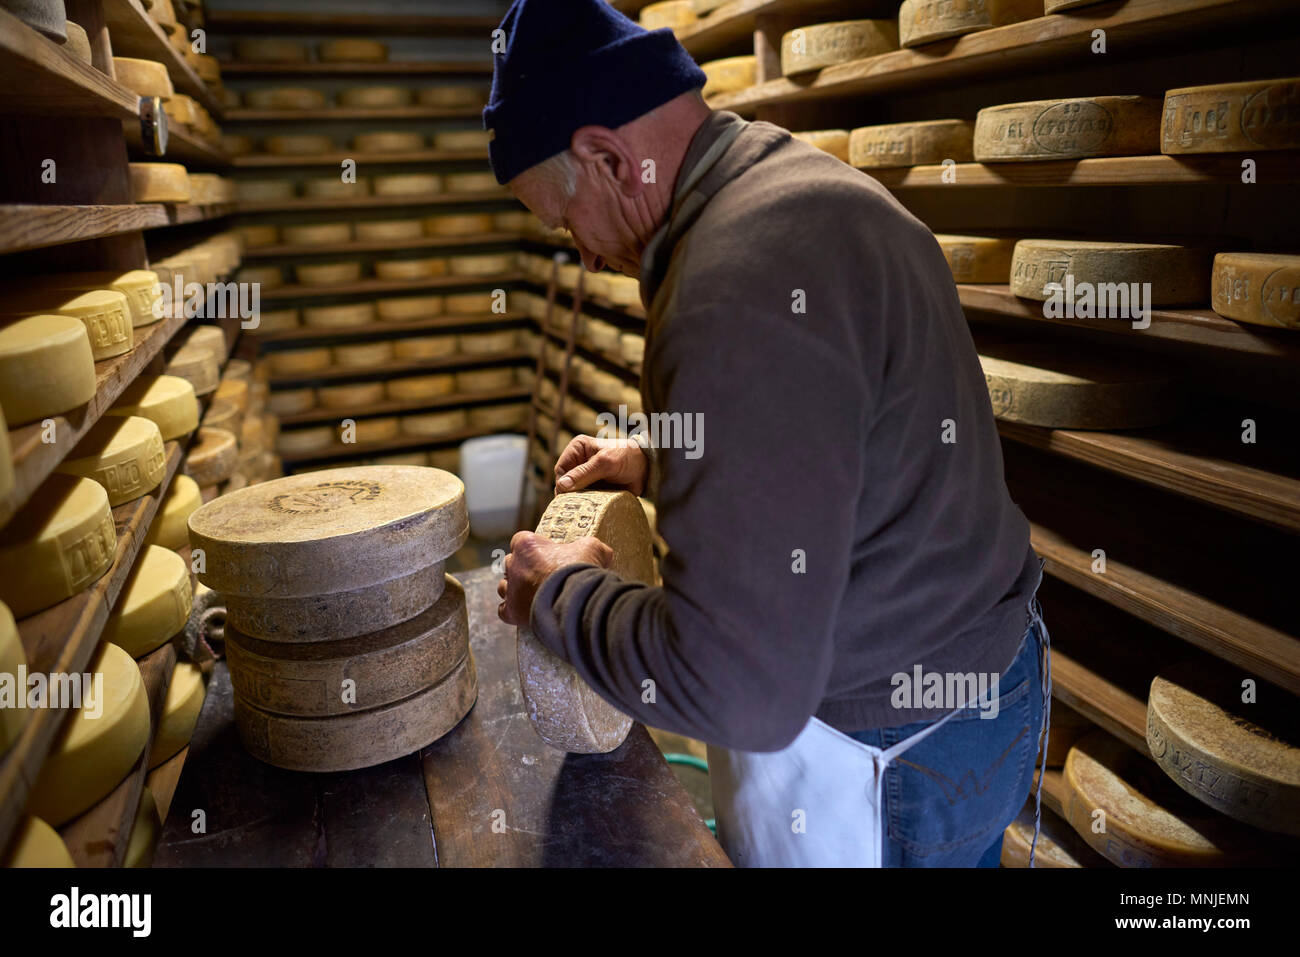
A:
(691, 761)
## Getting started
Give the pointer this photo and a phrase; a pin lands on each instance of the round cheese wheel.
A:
(268, 277)
(123, 454)
(835, 142)
(452, 97)
(170, 528)
(435, 425)
(363, 354)
(270, 50)
(486, 343)
(329, 531)
(351, 395)
(363, 738)
(352, 50)
(374, 97)
(212, 457)
(1058, 846)
(286, 98)
(277, 320)
(331, 187)
(977, 258)
(624, 291)
(181, 707)
(12, 657)
(516, 221)
(632, 347)
(182, 109)
(1041, 384)
(471, 182)
(1242, 759)
(305, 441)
(408, 184)
(425, 347)
(140, 286)
(565, 712)
(168, 400)
(207, 189)
(293, 401)
(485, 380)
(418, 387)
(105, 313)
(1179, 275)
(224, 415)
(298, 361)
(482, 265)
(159, 183)
(825, 44)
(911, 144)
(36, 844)
(461, 141)
(259, 235)
(1068, 129)
(235, 391)
(673, 14)
(511, 416)
(1260, 288)
(208, 68)
(94, 752)
(465, 224)
(345, 316)
(308, 678)
(154, 604)
(263, 190)
(299, 144)
(236, 144)
(78, 44)
(389, 230)
(388, 142)
(446, 459)
(1232, 117)
(925, 21)
(369, 431)
(317, 234)
(143, 77)
(729, 75)
(469, 303)
(197, 367)
(409, 269)
(408, 308)
(145, 829)
(46, 367)
(324, 274)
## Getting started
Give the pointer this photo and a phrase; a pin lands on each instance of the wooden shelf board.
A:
(136, 34)
(404, 443)
(24, 226)
(336, 374)
(39, 78)
(380, 287)
(1199, 327)
(342, 113)
(385, 245)
(381, 329)
(163, 779)
(63, 639)
(34, 459)
(1056, 40)
(1102, 702)
(1054, 790)
(272, 161)
(325, 416)
(378, 202)
(732, 25)
(356, 24)
(1153, 456)
(1227, 634)
(479, 68)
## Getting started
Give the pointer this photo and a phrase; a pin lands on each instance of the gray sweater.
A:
(846, 517)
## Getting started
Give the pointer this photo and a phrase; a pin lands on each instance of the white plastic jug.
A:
(491, 467)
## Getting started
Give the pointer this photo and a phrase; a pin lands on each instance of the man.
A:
(844, 552)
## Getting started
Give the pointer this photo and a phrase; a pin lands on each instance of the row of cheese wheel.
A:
(434, 426)
(379, 143)
(149, 78)
(333, 187)
(353, 396)
(593, 332)
(371, 231)
(278, 50)
(366, 355)
(447, 96)
(173, 183)
(393, 309)
(474, 266)
(580, 416)
(607, 288)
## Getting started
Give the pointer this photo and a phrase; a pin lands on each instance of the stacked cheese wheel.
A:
(348, 645)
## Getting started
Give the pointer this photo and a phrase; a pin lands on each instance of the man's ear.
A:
(611, 154)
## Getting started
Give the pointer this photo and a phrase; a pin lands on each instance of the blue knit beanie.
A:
(574, 63)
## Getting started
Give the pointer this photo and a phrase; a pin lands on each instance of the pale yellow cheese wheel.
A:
(351, 395)
(286, 98)
(170, 528)
(352, 50)
(419, 387)
(323, 274)
(515, 221)
(425, 267)
(196, 366)
(277, 320)
(471, 182)
(1260, 288)
(180, 714)
(673, 14)
(293, 401)
(825, 44)
(424, 347)
(600, 335)
(299, 144)
(143, 77)
(332, 187)
(140, 286)
(835, 142)
(407, 184)
(92, 754)
(486, 343)
(464, 224)
(182, 109)
(461, 141)
(259, 234)
(298, 362)
(123, 454)
(977, 258)
(212, 456)
(208, 189)
(486, 264)
(511, 416)
(208, 68)
(435, 425)
(925, 21)
(46, 367)
(36, 844)
(374, 97)
(388, 142)
(363, 354)
(367, 431)
(270, 50)
(485, 380)
(263, 190)
(268, 277)
(303, 441)
(1232, 117)
(469, 303)
(105, 313)
(168, 400)
(1068, 129)
(729, 75)
(1058, 846)
(317, 234)
(624, 291)
(159, 183)
(452, 97)
(145, 829)
(12, 657)
(388, 230)
(1179, 275)
(446, 459)
(154, 604)
(339, 317)
(408, 308)
(222, 414)
(911, 144)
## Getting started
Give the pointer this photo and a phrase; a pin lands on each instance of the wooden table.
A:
(489, 794)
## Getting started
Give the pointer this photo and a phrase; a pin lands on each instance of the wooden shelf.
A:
(326, 416)
(38, 78)
(163, 779)
(357, 24)
(1102, 702)
(33, 226)
(1199, 327)
(404, 443)
(63, 639)
(379, 287)
(1057, 41)
(34, 459)
(474, 68)
(379, 202)
(272, 161)
(385, 245)
(1215, 169)
(381, 329)
(337, 374)
(731, 26)
(342, 113)
(135, 34)
(1158, 457)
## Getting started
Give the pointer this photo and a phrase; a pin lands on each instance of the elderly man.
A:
(843, 550)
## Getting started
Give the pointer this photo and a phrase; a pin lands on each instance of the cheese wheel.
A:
(1058, 846)
(299, 144)
(729, 75)
(293, 401)
(515, 221)
(95, 751)
(363, 738)
(389, 230)
(259, 235)
(425, 347)
(285, 98)
(471, 182)
(46, 367)
(168, 400)
(145, 829)
(277, 320)
(1177, 274)
(374, 97)
(461, 141)
(446, 459)
(197, 367)
(352, 50)
(491, 264)
(143, 77)
(302, 441)
(345, 316)
(409, 269)
(386, 665)
(911, 144)
(159, 183)
(12, 657)
(125, 455)
(140, 286)
(170, 528)
(1041, 384)
(465, 224)
(36, 844)
(207, 189)
(298, 361)
(977, 258)
(408, 308)
(624, 291)
(263, 190)
(925, 21)
(452, 97)
(182, 109)
(154, 604)
(486, 343)
(368, 431)
(835, 142)
(363, 354)
(1068, 129)
(323, 274)
(268, 277)
(211, 458)
(1232, 117)
(435, 425)
(330, 531)
(564, 711)
(181, 707)
(223, 415)
(1257, 287)
(388, 142)
(208, 68)
(511, 416)
(408, 184)
(78, 44)
(673, 14)
(469, 303)
(105, 313)
(1238, 758)
(485, 380)
(270, 50)
(351, 395)
(601, 335)
(825, 44)
(418, 387)
(331, 187)
(1149, 822)
(234, 391)
(317, 234)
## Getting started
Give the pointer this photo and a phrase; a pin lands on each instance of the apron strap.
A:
(1045, 651)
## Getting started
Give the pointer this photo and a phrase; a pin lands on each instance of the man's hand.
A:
(532, 558)
(586, 460)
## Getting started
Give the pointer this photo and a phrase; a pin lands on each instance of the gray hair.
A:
(560, 172)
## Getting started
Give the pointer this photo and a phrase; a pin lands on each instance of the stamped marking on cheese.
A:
(1074, 125)
(325, 497)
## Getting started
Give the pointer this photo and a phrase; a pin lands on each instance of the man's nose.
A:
(590, 260)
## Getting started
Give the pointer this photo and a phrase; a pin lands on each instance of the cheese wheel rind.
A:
(168, 400)
(1260, 288)
(1232, 117)
(1178, 275)
(835, 142)
(154, 605)
(46, 367)
(977, 258)
(825, 44)
(181, 707)
(36, 844)
(911, 144)
(12, 657)
(1075, 128)
(925, 21)
(729, 75)
(170, 526)
(123, 454)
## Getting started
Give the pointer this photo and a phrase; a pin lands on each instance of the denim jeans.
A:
(948, 799)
